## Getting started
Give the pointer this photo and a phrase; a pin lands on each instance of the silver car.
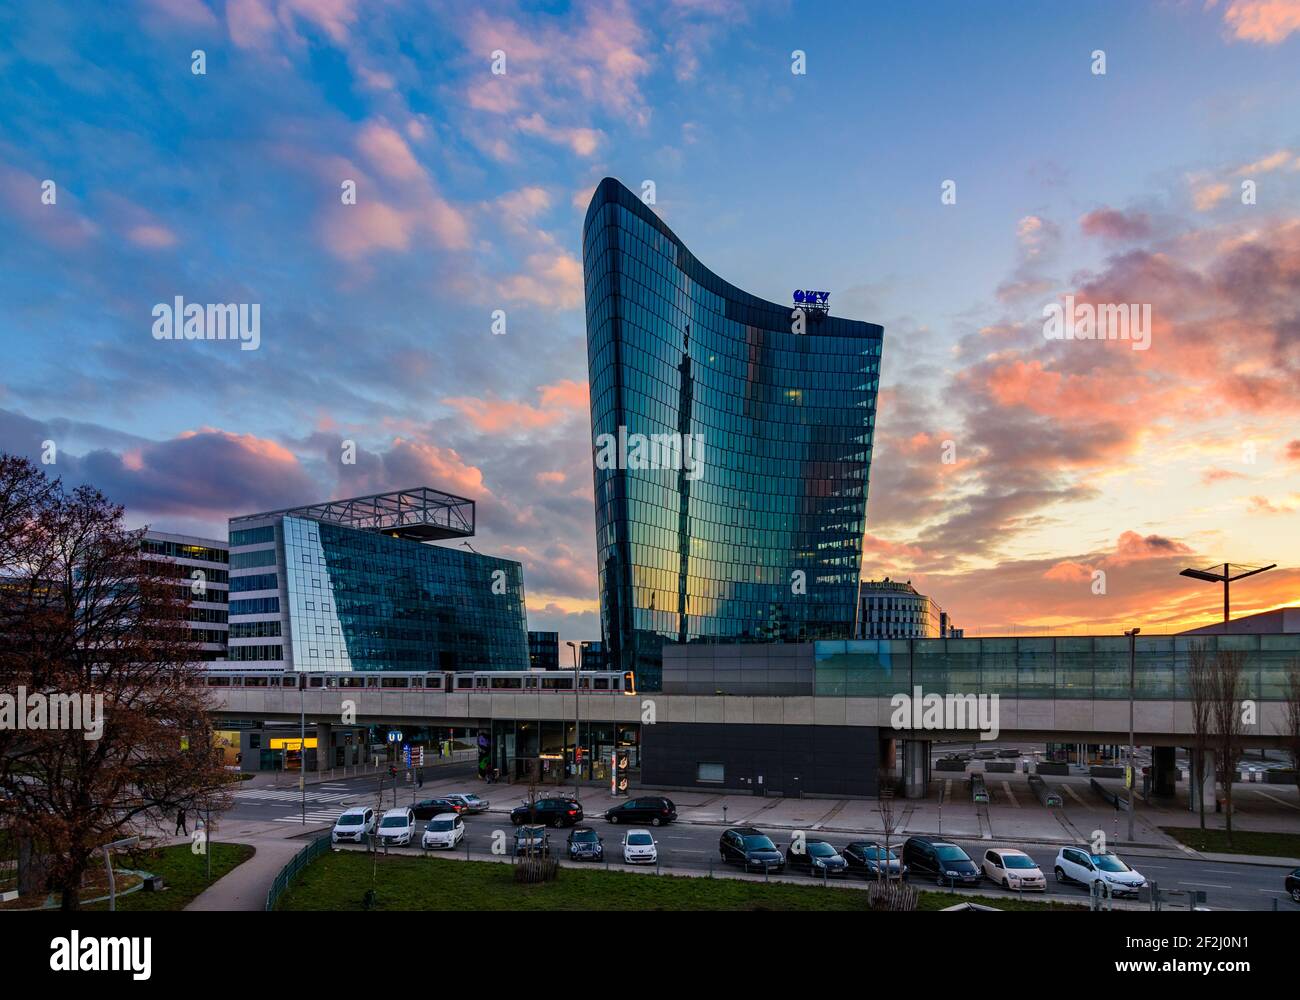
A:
(469, 802)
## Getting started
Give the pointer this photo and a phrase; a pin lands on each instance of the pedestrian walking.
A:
(180, 824)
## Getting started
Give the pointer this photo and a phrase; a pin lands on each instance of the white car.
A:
(444, 830)
(469, 802)
(640, 848)
(1013, 870)
(1074, 864)
(354, 825)
(397, 827)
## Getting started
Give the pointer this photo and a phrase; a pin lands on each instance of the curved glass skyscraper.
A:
(731, 452)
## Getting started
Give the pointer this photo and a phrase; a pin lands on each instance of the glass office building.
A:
(352, 585)
(734, 507)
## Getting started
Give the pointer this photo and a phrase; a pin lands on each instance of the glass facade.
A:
(760, 538)
(1062, 667)
(360, 600)
(318, 596)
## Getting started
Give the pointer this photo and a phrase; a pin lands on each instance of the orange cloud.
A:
(559, 402)
(1268, 22)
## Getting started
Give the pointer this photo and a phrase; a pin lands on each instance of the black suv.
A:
(550, 812)
(429, 808)
(751, 848)
(946, 862)
(817, 858)
(585, 843)
(656, 810)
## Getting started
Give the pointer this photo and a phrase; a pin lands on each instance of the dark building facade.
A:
(734, 509)
(594, 656)
(544, 650)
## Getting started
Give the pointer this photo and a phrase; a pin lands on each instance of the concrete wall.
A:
(1157, 723)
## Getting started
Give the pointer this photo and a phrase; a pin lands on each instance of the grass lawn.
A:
(1271, 845)
(339, 880)
(184, 873)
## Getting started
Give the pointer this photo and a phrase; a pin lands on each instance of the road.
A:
(695, 845)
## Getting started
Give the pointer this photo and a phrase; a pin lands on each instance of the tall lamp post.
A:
(574, 646)
(1132, 750)
(1214, 576)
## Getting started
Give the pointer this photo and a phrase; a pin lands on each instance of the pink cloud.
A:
(1268, 22)
(1112, 224)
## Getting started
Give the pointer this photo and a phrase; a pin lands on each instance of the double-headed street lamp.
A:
(1225, 578)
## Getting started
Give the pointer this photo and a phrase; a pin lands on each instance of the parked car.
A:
(444, 830)
(585, 845)
(751, 848)
(468, 802)
(946, 862)
(532, 839)
(354, 825)
(429, 808)
(868, 858)
(1293, 885)
(549, 812)
(1013, 870)
(655, 810)
(397, 827)
(639, 848)
(817, 858)
(1074, 864)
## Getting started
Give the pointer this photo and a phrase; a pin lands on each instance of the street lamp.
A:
(1132, 750)
(1226, 577)
(574, 646)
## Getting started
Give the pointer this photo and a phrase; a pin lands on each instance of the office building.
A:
(731, 448)
(201, 567)
(357, 585)
(893, 609)
(544, 650)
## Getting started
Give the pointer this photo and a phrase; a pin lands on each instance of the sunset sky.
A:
(1070, 456)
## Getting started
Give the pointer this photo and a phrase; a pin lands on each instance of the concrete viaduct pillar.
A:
(916, 768)
(1163, 772)
(1204, 787)
(324, 752)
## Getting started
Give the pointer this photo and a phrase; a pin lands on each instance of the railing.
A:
(296, 864)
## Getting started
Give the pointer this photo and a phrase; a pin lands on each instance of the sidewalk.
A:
(282, 779)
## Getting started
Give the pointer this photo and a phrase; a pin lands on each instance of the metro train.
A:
(452, 682)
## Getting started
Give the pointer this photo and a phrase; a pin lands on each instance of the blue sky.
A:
(471, 186)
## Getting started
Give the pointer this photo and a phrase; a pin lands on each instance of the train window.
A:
(317, 682)
(255, 682)
(394, 682)
(433, 682)
(465, 682)
(601, 683)
(372, 682)
(218, 682)
(352, 682)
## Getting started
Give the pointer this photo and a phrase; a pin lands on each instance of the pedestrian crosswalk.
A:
(314, 816)
(290, 795)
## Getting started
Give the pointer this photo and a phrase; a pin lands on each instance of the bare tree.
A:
(1229, 685)
(97, 637)
(1200, 684)
(889, 823)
